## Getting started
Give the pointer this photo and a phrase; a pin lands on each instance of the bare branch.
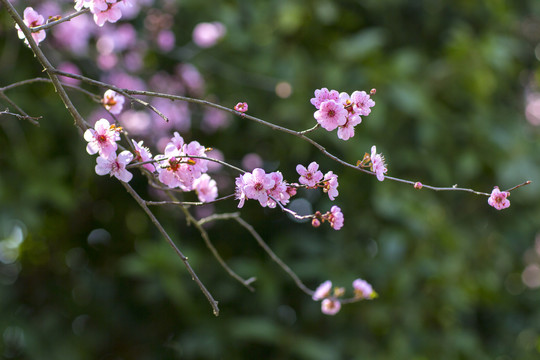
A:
(164, 233)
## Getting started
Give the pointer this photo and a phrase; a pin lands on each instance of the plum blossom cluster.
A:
(312, 177)
(334, 217)
(340, 110)
(331, 303)
(183, 165)
(266, 188)
(102, 140)
(270, 189)
(32, 19)
(103, 10)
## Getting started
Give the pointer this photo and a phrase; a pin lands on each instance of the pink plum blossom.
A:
(112, 14)
(362, 102)
(106, 10)
(102, 138)
(79, 4)
(206, 188)
(322, 95)
(257, 184)
(335, 217)
(178, 166)
(346, 131)
(32, 19)
(142, 154)
(498, 199)
(239, 193)
(279, 191)
(206, 35)
(331, 115)
(174, 172)
(322, 290)
(113, 102)
(310, 176)
(330, 306)
(241, 107)
(377, 164)
(363, 290)
(115, 166)
(331, 185)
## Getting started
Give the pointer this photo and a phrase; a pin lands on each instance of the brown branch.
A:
(79, 121)
(164, 233)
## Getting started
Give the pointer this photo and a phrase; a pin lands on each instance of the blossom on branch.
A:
(335, 217)
(322, 291)
(115, 165)
(330, 306)
(32, 19)
(363, 290)
(331, 185)
(181, 164)
(103, 10)
(102, 138)
(310, 176)
(113, 102)
(257, 184)
(241, 107)
(278, 191)
(143, 154)
(498, 199)
(377, 164)
(322, 95)
(331, 115)
(362, 102)
(206, 188)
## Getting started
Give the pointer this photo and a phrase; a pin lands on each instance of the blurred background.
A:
(85, 275)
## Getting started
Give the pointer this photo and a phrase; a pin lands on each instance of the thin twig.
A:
(59, 21)
(263, 244)
(164, 233)
(273, 255)
(191, 220)
(21, 111)
(193, 203)
(21, 117)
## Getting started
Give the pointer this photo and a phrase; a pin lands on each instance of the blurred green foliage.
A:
(94, 280)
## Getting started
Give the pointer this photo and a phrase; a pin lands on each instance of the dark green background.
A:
(94, 279)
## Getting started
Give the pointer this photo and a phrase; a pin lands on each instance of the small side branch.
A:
(59, 21)
(32, 119)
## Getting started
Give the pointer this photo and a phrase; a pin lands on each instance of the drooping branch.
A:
(164, 233)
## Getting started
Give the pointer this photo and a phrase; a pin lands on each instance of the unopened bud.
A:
(373, 91)
(418, 185)
(315, 223)
(339, 291)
